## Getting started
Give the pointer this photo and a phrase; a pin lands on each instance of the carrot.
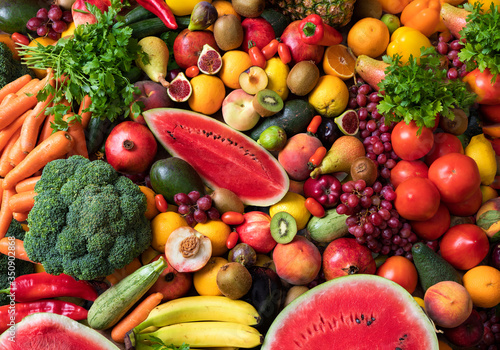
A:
(14, 86)
(18, 246)
(32, 124)
(16, 154)
(79, 143)
(86, 116)
(7, 98)
(54, 147)
(20, 216)
(28, 87)
(137, 316)
(22, 202)
(5, 166)
(7, 132)
(27, 184)
(5, 212)
(46, 128)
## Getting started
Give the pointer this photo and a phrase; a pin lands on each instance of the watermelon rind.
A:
(44, 330)
(313, 319)
(222, 156)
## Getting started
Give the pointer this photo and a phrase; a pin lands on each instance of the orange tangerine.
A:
(208, 94)
(44, 41)
(162, 226)
(151, 210)
(339, 61)
(368, 36)
(218, 232)
(483, 284)
(234, 62)
(223, 7)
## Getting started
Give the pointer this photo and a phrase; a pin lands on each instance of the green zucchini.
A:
(137, 14)
(113, 304)
(327, 228)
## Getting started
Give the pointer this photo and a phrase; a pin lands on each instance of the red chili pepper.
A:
(284, 53)
(314, 31)
(192, 71)
(20, 38)
(232, 218)
(317, 157)
(161, 203)
(256, 56)
(42, 285)
(314, 124)
(314, 207)
(270, 49)
(20, 310)
(160, 9)
(232, 239)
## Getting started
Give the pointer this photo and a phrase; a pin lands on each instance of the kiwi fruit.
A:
(293, 293)
(458, 125)
(249, 8)
(363, 168)
(228, 32)
(234, 280)
(267, 102)
(226, 200)
(302, 78)
(283, 227)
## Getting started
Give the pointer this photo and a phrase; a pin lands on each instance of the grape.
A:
(52, 34)
(359, 185)
(204, 203)
(452, 54)
(59, 26)
(55, 13)
(364, 89)
(213, 213)
(67, 17)
(371, 125)
(189, 219)
(184, 209)
(194, 195)
(34, 23)
(352, 200)
(442, 48)
(361, 100)
(452, 73)
(362, 114)
(42, 14)
(352, 104)
(348, 187)
(374, 97)
(42, 30)
(371, 107)
(200, 216)
(182, 198)
(456, 45)
(342, 209)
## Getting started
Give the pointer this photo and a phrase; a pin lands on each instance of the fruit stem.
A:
(128, 144)
(162, 81)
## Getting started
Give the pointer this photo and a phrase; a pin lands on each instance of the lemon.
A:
(162, 226)
(481, 150)
(488, 193)
(218, 232)
(205, 280)
(293, 204)
(420, 301)
(277, 72)
(330, 96)
(183, 7)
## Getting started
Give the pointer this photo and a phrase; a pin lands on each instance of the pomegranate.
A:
(189, 44)
(301, 51)
(130, 148)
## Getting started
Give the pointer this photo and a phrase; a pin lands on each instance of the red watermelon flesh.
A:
(222, 156)
(44, 331)
(353, 312)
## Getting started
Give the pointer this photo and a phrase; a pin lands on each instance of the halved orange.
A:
(339, 61)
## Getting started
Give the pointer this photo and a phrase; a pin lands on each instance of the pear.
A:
(371, 70)
(454, 18)
(157, 51)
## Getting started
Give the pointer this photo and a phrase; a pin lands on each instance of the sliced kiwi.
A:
(267, 102)
(233, 280)
(283, 227)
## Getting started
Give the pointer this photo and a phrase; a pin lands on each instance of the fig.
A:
(348, 122)
(187, 250)
(243, 254)
(204, 14)
(209, 61)
(179, 89)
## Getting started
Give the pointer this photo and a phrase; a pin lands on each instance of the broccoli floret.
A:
(10, 68)
(87, 219)
(22, 267)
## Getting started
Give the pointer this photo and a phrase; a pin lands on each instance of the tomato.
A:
(488, 93)
(405, 169)
(232, 239)
(417, 199)
(444, 143)
(433, 228)
(468, 207)
(456, 176)
(161, 203)
(232, 218)
(490, 113)
(314, 207)
(464, 246)
(400, 270)
(407, 144)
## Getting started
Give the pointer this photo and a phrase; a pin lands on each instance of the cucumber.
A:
(110, 306)
(137, 14)
(431, 267)
(329, 227)
(155, 26)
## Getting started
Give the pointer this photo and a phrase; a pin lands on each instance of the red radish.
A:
(130, 148)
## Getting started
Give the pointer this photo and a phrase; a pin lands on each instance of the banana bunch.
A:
(200, 321)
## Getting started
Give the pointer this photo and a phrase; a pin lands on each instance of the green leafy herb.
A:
(158, 344)
(419, 90)
(169, 37)
(95, 61)
(482, 39)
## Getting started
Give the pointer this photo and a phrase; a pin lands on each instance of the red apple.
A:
(153, 95)
(189, 44)
(81, 5)
(299, 50)
(256, 231)
(468, 333)
(488, 93)
(344, 256)
(256, 31)
(172, 283)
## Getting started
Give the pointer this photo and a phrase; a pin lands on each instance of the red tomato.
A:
(161, 203)
(232, 239)
(488, 93)
(405, 169)
(407, 144)
(400, 270)
(434, 227)
(464, 246)
(232, 218)
(456, 176)
(468, 207)
(444, 143)
(417, 199)
(490, 113)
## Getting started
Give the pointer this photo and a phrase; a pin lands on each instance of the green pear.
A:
(158, 53)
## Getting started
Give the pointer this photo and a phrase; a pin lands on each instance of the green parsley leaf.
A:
(158, 344)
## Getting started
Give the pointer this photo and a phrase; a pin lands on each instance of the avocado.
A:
(14, 14)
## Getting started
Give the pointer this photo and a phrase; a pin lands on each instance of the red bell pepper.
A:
(313, 31)
(42, 285)
(160, 9)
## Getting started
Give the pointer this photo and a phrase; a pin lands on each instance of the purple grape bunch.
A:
(50, 22)
(196, 208)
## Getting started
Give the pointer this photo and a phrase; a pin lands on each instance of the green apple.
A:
(391, 21)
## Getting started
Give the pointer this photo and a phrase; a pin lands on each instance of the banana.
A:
(204, 334)
(200, 308)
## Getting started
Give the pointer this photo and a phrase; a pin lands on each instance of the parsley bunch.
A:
(482, 39)
(158, 344)
(95, 61)
(419, 91)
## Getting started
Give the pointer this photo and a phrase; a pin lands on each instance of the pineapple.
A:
(336, 13)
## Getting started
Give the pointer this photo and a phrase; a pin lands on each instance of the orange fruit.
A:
(234, 62)
(218, 232)
(151, 210)
(162, 226)
(444, 346)
(223, 7)
(339, 61)
(368, 36)
(483, 284)
(208, 94)
(330, 96)
(205, 280)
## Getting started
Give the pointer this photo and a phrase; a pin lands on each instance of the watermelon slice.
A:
(353, 312)
(222, 156)
(43, 331)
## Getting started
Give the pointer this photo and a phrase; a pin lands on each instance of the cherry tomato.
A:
(434, 227)
(20, 38)
(317, 157)
(407, 144)
(232, 218)
(232, 239)
(464, 246)
(456, 176)
(314, 124)
(444, 143)
(192, 71)
(468, 207)
(405, 169)
(314, 207)
(400, 270)
(161, 203)
(284, 53)
(270, 49)
(256, 56)
(417, 199)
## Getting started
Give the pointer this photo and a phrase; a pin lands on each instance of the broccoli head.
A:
(87, 219)
(10, 68)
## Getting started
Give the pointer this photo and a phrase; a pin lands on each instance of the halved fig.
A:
(187, 250)
(348, 122)
(209, 61)
(179, 89)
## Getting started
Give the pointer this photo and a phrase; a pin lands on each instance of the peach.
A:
(448, 303)
(152, 95)
(296, 153)
(297, 262)
(85, 17)
(238, 111)
(488, 217)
